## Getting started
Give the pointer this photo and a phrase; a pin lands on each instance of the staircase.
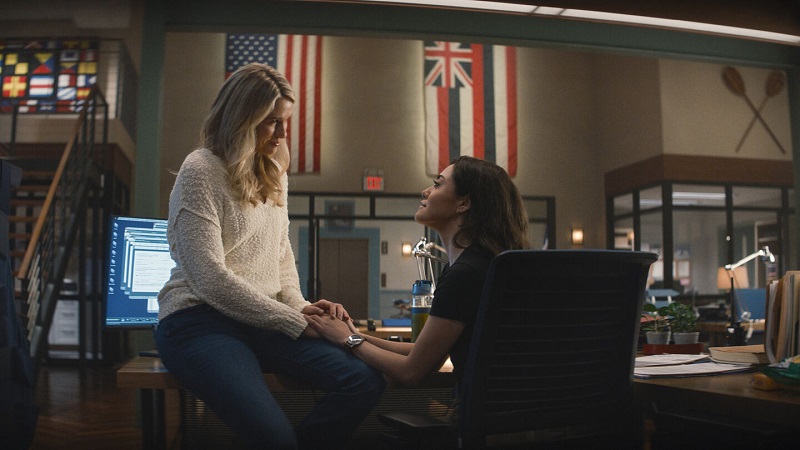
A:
(38, 163)
(57, 226)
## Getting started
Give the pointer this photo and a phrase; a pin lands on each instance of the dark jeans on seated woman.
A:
(222, 361)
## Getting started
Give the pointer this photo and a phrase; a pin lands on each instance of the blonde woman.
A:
(233, 308)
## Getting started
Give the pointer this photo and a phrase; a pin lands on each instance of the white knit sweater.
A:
(236, 258)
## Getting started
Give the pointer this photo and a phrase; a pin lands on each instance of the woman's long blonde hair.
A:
(244, 101)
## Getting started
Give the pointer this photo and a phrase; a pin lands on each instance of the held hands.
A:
(331, 328)
(327, 310)
(319, 308)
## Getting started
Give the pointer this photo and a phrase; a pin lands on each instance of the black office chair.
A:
(552, 355)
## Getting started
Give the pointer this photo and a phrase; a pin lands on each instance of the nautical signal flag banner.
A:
(470, 104)
(47, 76)
(299, 59)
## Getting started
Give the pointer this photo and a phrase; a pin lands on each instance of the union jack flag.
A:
(448, 64)
(299, 59)
(470, 104)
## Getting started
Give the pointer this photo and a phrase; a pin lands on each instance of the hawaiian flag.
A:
(299, 59)
(470, 104)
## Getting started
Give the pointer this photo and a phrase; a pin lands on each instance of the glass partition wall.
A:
(349, 248)
(696, 229)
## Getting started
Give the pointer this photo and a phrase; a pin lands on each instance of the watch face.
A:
(354, 340)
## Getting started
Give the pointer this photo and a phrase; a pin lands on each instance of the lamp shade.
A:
(740, 278)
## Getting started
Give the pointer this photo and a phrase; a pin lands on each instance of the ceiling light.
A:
(682, 25)
(649, 202)
(699, 195)
(547, 10)
(487, 6)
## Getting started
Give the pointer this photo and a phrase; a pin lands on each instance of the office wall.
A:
(373, 118)
(629, 116)
(581, 114)
(701, 116)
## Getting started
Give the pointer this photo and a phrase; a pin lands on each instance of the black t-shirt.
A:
(458, 293)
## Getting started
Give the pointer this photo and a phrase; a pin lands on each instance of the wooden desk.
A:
(150, 376)
(728, 395)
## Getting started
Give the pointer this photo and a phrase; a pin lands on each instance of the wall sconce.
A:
(577, 236)
(405, 248)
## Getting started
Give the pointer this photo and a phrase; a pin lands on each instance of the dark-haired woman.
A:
(478, 213)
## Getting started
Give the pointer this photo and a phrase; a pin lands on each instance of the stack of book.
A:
(781, 336)
(740, 354)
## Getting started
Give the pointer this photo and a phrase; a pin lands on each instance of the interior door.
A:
(343, 274)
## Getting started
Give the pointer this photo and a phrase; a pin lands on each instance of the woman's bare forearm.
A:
(401, 348)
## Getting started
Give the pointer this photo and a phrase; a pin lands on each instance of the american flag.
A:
(299, 59)
(470, 104)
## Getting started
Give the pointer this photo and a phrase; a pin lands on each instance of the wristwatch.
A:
(354, 340)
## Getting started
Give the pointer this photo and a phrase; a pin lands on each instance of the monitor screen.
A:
(137, 266)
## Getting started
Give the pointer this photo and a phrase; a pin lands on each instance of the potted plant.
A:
(682, 322)
(655, 325)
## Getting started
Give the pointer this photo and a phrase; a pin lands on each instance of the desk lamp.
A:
(735, 332)
(422, 251)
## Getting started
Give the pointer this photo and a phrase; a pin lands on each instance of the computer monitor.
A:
(137, 266)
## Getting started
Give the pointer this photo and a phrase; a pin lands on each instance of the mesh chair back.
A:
(554, 344)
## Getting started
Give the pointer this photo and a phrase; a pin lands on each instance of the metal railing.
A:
(62, 215)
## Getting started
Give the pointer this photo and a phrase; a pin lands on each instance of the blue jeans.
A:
(221, 361)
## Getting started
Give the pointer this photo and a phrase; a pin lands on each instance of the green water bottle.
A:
(420, 306)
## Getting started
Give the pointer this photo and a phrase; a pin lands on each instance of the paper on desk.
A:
(668, 360)
(687, 370)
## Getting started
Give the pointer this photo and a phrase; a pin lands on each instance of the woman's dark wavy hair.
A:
(497, 219)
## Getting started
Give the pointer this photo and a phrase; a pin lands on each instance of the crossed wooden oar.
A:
(775, 82)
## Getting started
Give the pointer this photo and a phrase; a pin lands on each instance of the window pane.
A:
(341, 206)
(752, 231)
(652, 241)
(756, 196)
(298, 204)
(537, 235)
(698, 195)
(536, 208)
(651, 232)
(396, 206)
(789, 260)
(650, 198)
(623, 204)
(623, 234)
(700, 239)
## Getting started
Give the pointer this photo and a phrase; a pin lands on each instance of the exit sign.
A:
(373, 183)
